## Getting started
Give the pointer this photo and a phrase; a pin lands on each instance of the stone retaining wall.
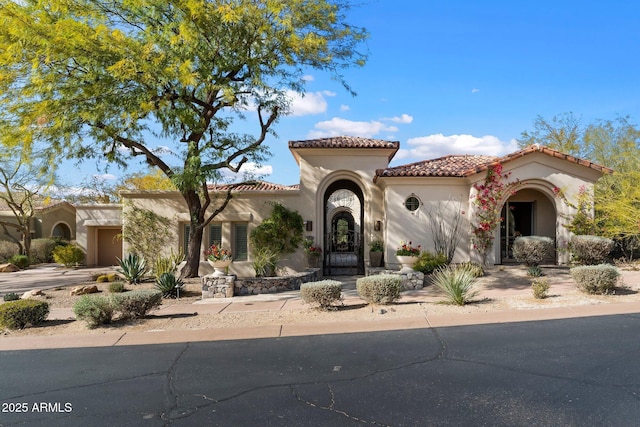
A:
(410, 281)
(228, 286)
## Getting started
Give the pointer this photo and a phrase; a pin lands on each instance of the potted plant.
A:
(313, 252)
(376, 248)
(407, 255)
(219, 258)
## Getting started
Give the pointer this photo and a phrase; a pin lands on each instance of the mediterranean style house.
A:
(348, 196)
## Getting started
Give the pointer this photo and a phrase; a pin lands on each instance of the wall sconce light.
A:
(308, 225)
(377, 226)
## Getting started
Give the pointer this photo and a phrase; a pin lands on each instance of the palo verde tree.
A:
(129, 79)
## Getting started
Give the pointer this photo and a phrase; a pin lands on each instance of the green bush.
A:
(323, 293)
(7, 250)
(476, 269)
(42, 250)
(457, 283)
(380, 289)
(534, 271)
(168, 264)
(265, 261)
(21, 261)
(18, 314)
(590, 250)
(428, 262)
(69, 256)
(95, 310)
(133, 268)
(12, 296)
(116, 287)
(532, 250)
(596, 279)
(540, 287)
(136, 304)
(169, 285)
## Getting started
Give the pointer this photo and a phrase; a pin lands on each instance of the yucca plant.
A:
(168, 264)
(457, 283)
(169, 285)
(133, 268)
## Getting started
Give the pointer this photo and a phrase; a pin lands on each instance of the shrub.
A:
(95, 310)
(534, 271)
(133, 268)
(168, 264)
(532, 250)
(379, 289)
(169, 285)
(12, 296)
(42, 250)
(7, 250)
(476, 269)
(18, 314)
(428, 262)
(116, 287)
(69, 256)
(21, 261)
(457, 283)
(265, 261)
(540, 287)
(136, 304)
(590, 250)
(595, 279)
(105, 278)
(323, 293)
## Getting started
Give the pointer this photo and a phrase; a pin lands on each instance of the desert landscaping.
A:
(502, 288)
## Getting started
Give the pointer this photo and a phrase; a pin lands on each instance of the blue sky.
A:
(468, 77)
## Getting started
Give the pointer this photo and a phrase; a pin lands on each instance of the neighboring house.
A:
(57, 219)
(348, 195)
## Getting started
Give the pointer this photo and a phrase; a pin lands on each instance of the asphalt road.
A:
(574, 372)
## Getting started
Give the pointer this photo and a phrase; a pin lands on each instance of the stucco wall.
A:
(90, 218)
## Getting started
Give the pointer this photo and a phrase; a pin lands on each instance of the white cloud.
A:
(344, 108)
(308, 103)
(104, 177)
(474, 90)
(337, 127)
(404, 119)
(249, 170)
(438, 145)
(307, 78)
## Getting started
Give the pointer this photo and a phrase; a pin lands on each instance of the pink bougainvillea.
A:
(488, 200)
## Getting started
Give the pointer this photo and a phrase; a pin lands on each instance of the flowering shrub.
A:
(217, 253)
(406, 249)
(314, 250)
(488, 199)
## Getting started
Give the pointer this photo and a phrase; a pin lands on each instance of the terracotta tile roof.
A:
(255, 186)
(346, 142)
(452, 165)
(466, 165)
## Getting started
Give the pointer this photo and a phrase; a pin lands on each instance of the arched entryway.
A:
(343, 229)
(530, 212)
(61, 231)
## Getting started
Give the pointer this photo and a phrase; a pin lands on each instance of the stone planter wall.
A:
(410, 280)
(229, 286)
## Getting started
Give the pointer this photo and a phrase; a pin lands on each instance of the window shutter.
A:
(240, 247)
(215, 234)
(187, 229)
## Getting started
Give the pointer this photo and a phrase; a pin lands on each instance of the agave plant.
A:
(133, 268)
(457, 283)
(169, 285)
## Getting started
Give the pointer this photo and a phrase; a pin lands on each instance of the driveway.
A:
(45, 276)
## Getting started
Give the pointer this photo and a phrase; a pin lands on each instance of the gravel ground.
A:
(503, 288)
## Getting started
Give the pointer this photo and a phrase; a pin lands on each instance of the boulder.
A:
(8, 268)
(83, 290)
(32, 293)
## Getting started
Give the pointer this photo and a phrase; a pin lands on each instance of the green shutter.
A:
(240, 247)
(187, 228)
(215, 234)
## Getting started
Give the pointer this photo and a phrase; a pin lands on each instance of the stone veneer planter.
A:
(228, 286)
(410, 280)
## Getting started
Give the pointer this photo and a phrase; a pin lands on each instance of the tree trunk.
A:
(193, 252)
